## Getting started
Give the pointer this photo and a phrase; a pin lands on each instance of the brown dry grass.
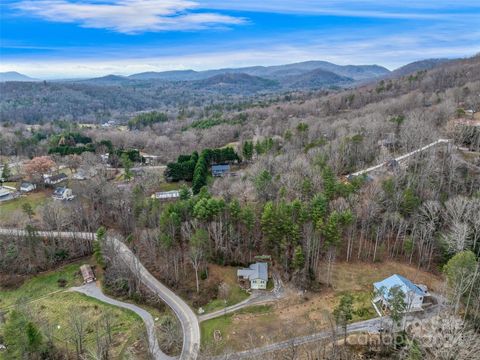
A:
(360, 276)
(304, 313)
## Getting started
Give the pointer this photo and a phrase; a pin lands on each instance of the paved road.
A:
(94, 291)
(401, 158)
(188, 319)
(258, 297)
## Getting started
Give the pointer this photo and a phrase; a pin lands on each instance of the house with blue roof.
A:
(414, 294)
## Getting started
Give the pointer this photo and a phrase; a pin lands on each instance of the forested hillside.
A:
(111, 96)
(291, 192)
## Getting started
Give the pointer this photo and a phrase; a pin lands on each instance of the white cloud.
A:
(407, 9)
(128, 16)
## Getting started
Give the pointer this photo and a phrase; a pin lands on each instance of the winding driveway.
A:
(92, 290)
(258, 297)
(188, 319)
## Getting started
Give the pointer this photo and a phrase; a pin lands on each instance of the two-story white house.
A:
(414, 294)
(256, 275)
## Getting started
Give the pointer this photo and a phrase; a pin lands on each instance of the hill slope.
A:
(14, 76)
(415, 66)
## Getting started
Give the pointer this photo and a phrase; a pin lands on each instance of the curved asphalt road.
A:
(188, 319)
(94, 291)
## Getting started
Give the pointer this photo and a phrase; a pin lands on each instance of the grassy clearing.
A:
(209, 327)
(52, 306)
(166, 186)
(223, 324)
(235, 294)
(8, 208)
(42, 285)
(361, 276)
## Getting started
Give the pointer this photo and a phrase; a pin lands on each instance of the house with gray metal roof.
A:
(256, 275)
(414, 294)
(219, 170)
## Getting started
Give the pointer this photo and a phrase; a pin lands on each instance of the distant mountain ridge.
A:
(308, 75)
(14, 76)
(280, 73)
(118, 97)
(276, 72)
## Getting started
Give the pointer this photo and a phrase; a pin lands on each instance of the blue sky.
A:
(81, 38)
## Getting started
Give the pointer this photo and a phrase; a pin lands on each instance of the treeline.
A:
(70, 138)
(203, 124)
(67, 144)
(147, 119)
(65, 150)
(194, 167)
(31, 253)
(297, 233)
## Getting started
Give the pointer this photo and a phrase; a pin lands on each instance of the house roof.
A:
(258, 270)
(57, 177)
(220, 167)
(167, 194)
(398, 281)
(4, 192)
(59, 191)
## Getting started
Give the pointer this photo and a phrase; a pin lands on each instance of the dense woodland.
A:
(291, 199)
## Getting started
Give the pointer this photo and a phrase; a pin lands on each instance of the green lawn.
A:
(53, 304)
(42, 285)
(224, 323)
(169, 186)
(236, 294)
(35, 199)
(208, 328)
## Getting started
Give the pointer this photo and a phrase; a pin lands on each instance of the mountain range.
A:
(113, 96)
(277, 72)
(308, 75)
